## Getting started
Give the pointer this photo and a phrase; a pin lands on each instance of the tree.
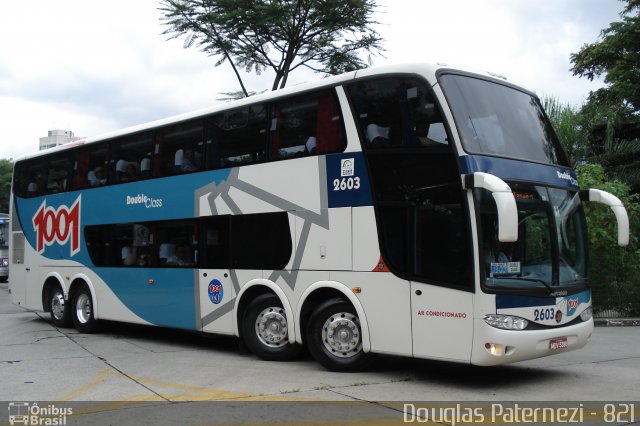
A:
(325, 36)
(613, 270)
(617, 56)
(566, 123)
(6, 169)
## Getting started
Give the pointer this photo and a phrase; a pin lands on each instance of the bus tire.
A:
(59, 308)
(334, 337)
(82, 311)
(265, 329)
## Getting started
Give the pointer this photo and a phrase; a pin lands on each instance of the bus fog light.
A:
(498, 349)
(495, 349)
(506, 322)
(586, 314)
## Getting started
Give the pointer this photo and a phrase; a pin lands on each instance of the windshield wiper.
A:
(533, 280)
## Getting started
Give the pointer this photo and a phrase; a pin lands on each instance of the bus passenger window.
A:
(178, 243)
(216, 245)
(59, 174)
(215, 137)
(90, 167)
(261, 241)
(134, 242)
(181, 149)
(397, 112)
(306, 125)
(129, 156)
(99, 243)
(29, 178)
(243, 137)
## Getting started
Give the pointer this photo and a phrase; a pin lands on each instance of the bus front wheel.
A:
(334, 337)
(59, 308)
(265, 329)
(82, 311)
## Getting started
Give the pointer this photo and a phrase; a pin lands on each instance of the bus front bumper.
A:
(494, 346)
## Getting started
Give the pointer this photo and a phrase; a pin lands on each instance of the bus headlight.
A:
(5, 262)
(586, 314)
(506, 322)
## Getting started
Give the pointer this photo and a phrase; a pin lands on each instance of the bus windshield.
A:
(551, 247)
(499, 120)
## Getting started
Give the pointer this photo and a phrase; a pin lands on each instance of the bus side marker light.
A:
(356, 290)
(152, 281)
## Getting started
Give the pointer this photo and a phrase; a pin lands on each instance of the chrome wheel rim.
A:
(271, 327)
(341, 335)
(57, 305)
(83, 308)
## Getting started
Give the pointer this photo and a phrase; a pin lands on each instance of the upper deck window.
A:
(306, 125)
(499, 120)
(129, 158)
(397, 112)
(299, 125)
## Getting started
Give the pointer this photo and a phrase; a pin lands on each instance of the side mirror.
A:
(505, 203)
(598, 196)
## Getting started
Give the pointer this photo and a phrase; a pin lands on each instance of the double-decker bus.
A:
(414, 210)
(4, 247)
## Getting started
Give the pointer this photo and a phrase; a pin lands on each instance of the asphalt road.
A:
(141, 375)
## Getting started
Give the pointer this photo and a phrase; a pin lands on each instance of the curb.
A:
(617, 322)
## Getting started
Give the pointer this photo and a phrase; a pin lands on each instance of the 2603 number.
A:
(346, 184)
(544, 314)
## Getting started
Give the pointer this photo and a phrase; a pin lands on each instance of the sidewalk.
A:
(616, 322)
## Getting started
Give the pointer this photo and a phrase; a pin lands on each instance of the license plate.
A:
(558, 344)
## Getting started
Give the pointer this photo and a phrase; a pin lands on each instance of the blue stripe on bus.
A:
(168, 302)
(508, 169)
(146, 200)
(506, 301)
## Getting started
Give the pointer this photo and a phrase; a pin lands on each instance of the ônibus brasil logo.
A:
(57, 226)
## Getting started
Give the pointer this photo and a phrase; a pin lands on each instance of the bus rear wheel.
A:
(82, 311)
(334, 337)
(59, 308)
(265, 329)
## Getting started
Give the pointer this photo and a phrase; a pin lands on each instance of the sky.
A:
(95, 67)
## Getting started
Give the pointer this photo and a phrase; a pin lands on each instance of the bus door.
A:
(440, 261)
(20, 273)
(442, 322)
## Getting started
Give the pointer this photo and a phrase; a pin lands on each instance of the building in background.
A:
(57, 137)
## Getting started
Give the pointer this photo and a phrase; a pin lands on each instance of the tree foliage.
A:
(594, 133)
(617, 57)
(6, 169)
(613, 270)
(566, 123)
(325, 36)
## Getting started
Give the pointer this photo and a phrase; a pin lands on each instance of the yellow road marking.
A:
(192, 393)
(92, 384)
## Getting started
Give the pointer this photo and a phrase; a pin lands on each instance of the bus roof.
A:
(423, 68)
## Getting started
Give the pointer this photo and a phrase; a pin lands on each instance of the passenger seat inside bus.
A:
(166, 251)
